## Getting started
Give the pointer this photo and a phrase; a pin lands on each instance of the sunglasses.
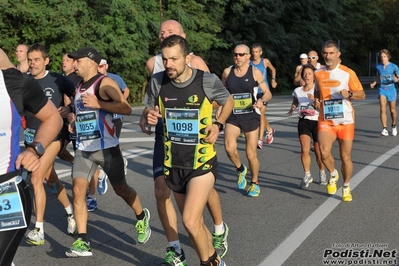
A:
(239, 54)
(312, 57)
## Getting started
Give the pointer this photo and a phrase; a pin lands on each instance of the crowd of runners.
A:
(188, 106)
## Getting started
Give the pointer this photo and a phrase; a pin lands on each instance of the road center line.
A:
(292, 242)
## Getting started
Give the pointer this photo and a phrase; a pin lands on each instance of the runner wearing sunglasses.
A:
(313, 57)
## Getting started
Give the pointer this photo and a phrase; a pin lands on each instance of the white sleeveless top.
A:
(158, 65)
(7, 130)
(95, 128)
(304, 102)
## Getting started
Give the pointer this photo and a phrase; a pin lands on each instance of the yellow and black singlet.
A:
(186, 112)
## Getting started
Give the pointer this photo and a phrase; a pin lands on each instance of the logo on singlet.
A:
(170, 99)
(206, 167)
(193, 100)
(48, 92)
(80, 105)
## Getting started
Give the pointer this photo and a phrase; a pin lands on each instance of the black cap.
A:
(87, 52)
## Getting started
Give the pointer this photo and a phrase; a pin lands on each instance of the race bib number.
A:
(11, 211)
(29, 135)
(182, 126)
(242, 103)
(333, 109)
(87, 126)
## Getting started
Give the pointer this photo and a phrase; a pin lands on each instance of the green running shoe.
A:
(143, 228)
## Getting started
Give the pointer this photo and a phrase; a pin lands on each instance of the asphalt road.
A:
(285, 225)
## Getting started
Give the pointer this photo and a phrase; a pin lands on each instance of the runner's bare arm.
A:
(297, 77)
(258, 76)
(198, 63)
(294, 105)
(269, 65)
(150, 64)
(377, 78)
(51, 123)
(109, 90)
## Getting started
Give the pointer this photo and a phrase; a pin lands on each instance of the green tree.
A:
(125, 32)
(201, 20)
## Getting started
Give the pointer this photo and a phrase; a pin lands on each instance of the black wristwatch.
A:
(350, 94)
(37, 147)
(220, 125)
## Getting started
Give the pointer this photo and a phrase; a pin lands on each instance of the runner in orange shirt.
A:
(336, 87)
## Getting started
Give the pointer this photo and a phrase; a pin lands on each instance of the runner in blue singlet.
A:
(387, 74)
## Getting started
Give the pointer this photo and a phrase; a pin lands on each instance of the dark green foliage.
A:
(125, 32)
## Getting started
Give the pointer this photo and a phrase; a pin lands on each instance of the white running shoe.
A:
(322, 178)
(394, 131)
(35, 237)
(71, 229)
(384, 132)
(306, 181)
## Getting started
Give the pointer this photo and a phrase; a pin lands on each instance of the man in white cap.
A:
(297, 78)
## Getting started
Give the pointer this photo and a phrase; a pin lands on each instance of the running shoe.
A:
(35, 237)
(79, 248)
(269, 136)
(253, 190)
(91, 204)
(172, 258)
(71, 229)
(394, 131)
(306, 181)
(260, 144)
(220, 242)
(222, 263)
(125, 163)
(346, 193)
(143, 228)
(241, 181)
(384, 132)
(322, 178)
(102, 185)
(332, 184)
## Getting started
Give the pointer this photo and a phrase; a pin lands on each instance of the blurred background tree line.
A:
(125, 32)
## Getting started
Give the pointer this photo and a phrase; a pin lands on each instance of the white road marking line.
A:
(293, 241)
(135, 139)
